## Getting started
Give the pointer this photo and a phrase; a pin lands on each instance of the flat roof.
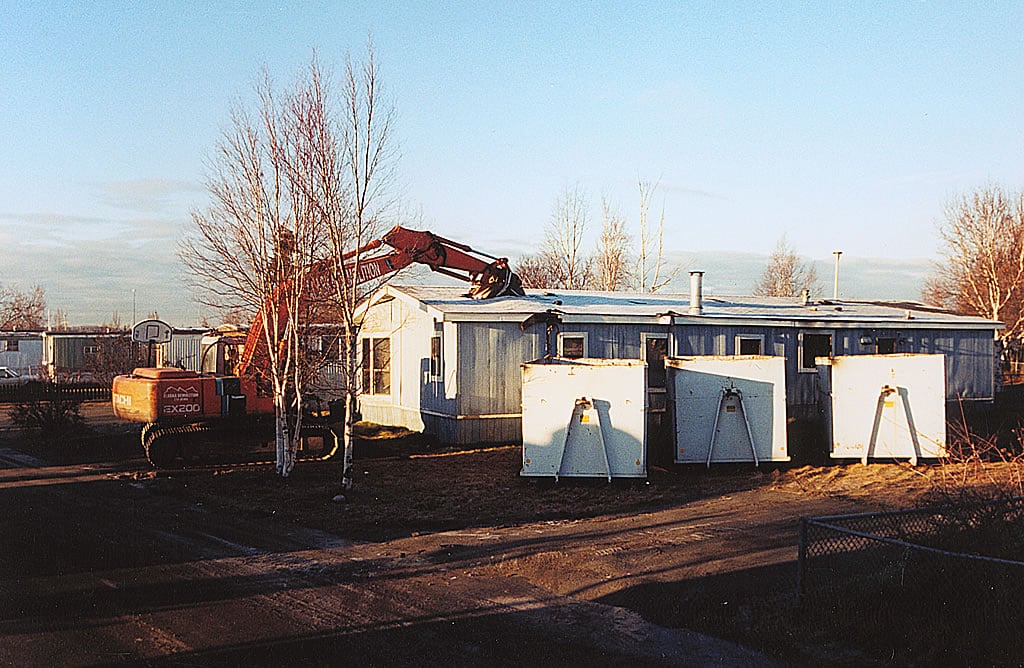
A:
(581, 306)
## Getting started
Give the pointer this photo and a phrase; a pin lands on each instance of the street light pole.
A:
(835, 289)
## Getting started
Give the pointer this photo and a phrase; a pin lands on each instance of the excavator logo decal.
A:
(181, 400)
(181, 393)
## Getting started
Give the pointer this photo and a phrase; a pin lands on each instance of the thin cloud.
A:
(145, 194)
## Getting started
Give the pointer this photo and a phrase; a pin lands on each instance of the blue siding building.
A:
(438, 361)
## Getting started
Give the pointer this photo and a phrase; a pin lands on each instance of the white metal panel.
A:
(614, 425)
(27, 360)
(866, 386)
(716, 398)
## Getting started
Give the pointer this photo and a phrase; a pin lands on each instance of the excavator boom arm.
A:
(489, 279)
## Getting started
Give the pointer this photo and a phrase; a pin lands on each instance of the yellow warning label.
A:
(584, 418)
(730, 409)
(889, 404)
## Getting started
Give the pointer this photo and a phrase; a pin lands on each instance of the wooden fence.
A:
(45, 391)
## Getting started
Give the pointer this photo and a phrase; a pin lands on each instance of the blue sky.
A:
(841, 125)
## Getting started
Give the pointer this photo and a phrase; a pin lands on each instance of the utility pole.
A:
(835, 289)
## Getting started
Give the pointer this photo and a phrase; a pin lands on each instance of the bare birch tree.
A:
(652, 272)
(982, 270)
(562, 262)
(785, 275)
(253, 247)
(612, 260)
(354, 188)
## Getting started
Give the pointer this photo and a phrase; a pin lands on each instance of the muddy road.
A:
(438, 559)
(99, 565)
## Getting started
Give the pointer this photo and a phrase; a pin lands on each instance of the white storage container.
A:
(727, 408)
(885, 406)
(585, 418)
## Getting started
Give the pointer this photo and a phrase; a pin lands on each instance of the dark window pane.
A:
(750, 346)
(367, 361)
(816, 345)
(655, 353)
(435, 356)
(572, 347)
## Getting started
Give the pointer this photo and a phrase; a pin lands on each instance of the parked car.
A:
(10, 377)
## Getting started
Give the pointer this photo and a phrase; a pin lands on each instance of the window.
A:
(885, 346)
(91, 350)
(435, 357)
(12, 345)
(377, 366)
(572, 345)
(749, 344)
(655, 350)
(814, 344)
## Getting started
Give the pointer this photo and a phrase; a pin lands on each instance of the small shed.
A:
(885, 406)
(585, 418)
(727, 409)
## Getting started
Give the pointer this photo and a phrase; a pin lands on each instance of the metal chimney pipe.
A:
(696, 292)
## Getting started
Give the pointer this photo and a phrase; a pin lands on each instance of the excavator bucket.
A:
(497, 280)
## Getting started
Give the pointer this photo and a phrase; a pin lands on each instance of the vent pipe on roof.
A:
(696, 292)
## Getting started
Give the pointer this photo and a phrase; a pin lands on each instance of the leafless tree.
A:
(58, 320)
(352, 185)
(612, 260)
(22, 310)
(561, 262)
(253, 248)
(536, 271)
(785, 275)
(652, 273)
(982, 267)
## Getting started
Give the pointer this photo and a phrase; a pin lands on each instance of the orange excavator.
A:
(187, 415)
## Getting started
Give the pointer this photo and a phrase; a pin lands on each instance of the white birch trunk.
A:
(346, 470)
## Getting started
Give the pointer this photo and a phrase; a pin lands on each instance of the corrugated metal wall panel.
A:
(489, 375)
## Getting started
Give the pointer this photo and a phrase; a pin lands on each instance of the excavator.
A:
(189, 415)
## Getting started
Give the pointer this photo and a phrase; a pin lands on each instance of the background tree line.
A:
(619, 261)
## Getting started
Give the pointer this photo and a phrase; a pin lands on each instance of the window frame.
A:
(802, 341)
(573, 335)
(658, 336)
(737, 343)
(436, 370)
(371, 372)
(895, 344)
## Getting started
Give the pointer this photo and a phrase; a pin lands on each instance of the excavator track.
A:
(202, 444)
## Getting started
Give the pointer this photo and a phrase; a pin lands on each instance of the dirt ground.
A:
(711, 551)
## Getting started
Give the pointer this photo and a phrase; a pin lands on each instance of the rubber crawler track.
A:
(167, 445)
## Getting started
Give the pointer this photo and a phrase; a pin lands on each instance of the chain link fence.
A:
(949, 576)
